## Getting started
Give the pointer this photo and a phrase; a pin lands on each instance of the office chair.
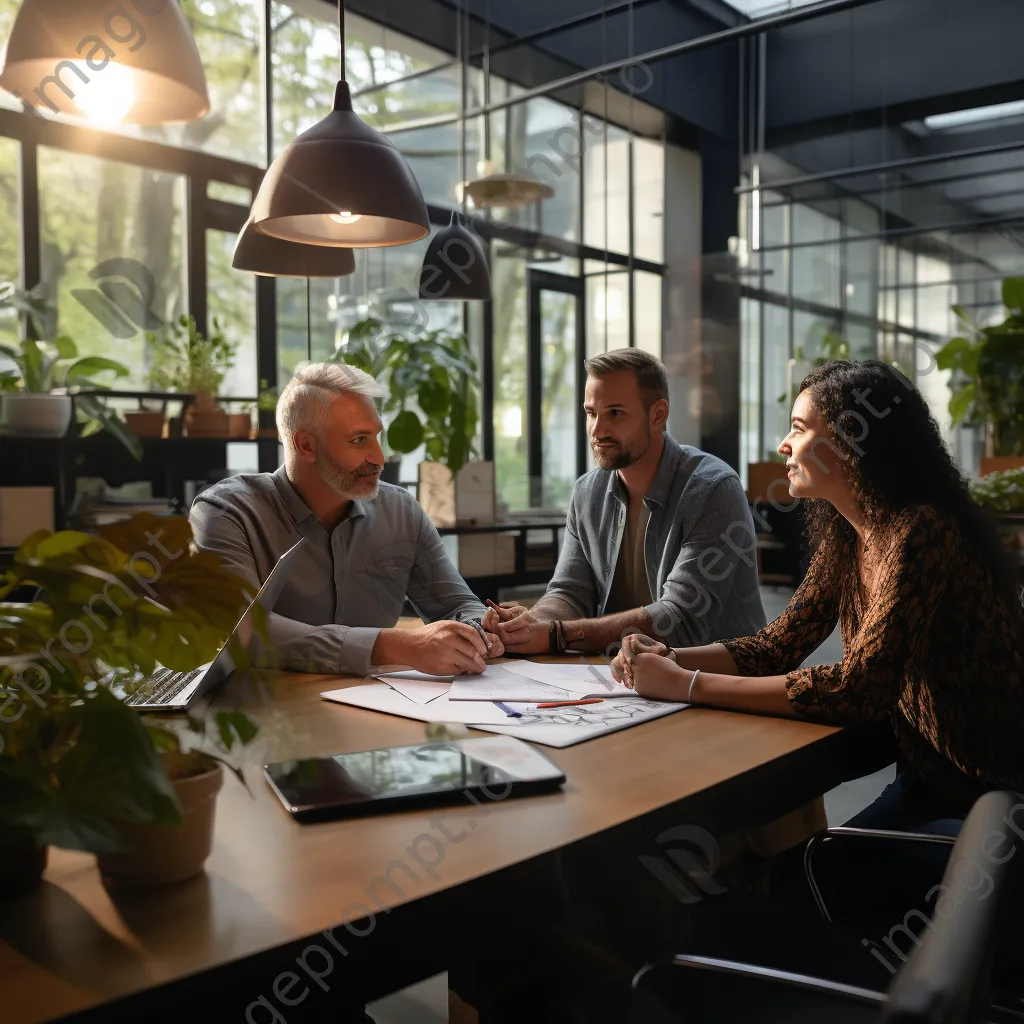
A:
(945, 980)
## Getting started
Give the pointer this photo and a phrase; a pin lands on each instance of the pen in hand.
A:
(503, 613)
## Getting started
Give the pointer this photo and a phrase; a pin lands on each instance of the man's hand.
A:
(440, 649)
(634, 644)
(525, 634)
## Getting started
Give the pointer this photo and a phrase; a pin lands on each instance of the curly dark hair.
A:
(894, 457)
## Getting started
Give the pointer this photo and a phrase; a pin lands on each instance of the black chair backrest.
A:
(946, 979)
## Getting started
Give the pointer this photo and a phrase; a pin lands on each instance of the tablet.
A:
(395, 778)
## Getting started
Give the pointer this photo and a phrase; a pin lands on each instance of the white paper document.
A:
(381, 697)
(553, 727)
(531, 682)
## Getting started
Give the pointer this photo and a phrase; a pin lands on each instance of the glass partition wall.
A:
(170, 200)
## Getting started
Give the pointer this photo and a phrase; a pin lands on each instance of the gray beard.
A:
(352, 485)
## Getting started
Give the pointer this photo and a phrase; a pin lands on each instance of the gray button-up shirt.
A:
(348, 583)
(698, 547)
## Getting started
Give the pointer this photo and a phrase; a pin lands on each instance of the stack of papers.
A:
(481, 700)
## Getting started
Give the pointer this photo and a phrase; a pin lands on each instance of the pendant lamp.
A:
(455, 266)
(513, 189)
(341, 183)
(131, 63)
(272, 257)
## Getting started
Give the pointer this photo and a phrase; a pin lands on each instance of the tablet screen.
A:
(346, 783)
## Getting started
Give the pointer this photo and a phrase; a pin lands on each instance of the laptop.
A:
(174, 690)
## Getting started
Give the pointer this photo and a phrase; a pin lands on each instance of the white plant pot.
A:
(27, 415)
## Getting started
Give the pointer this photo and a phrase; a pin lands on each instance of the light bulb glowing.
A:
(346, 217)
(108, 96)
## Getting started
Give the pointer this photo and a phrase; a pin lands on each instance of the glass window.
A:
(774, 263)
(560, 400)
(10, 231)
(607, 297)
(606, 186)
(647, 299)
(306, 60)
(775, 354)
(232, 302)
(8, 10)
(816, 268)
(907, 296)
(432, 154)
(648, 200)
(94, 212)
(224, 192)
(508, 288)
(548, 148)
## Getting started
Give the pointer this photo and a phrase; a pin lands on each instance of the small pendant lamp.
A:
(135, 63)
(455, 266)
(341, 183)
(272, 257)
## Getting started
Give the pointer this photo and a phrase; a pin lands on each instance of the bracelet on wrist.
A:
(553, 637)
(693, 679)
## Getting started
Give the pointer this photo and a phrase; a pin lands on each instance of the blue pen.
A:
(511, 712)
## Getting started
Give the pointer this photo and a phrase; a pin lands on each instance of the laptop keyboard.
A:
(163, 686)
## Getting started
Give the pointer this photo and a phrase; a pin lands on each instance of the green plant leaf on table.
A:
(406, 432)
(960, 404)
(1013, 294)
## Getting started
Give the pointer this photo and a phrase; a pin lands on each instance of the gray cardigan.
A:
(699, 549)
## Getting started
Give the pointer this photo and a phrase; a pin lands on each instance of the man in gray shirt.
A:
(659, 538)
(368, 546)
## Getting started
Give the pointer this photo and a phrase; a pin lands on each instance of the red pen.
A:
(571, 703)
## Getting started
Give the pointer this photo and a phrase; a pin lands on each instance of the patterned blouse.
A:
(937, 651)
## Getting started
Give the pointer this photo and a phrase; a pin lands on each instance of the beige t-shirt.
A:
(630, 588)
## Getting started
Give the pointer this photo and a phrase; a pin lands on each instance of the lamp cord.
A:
(341, 36)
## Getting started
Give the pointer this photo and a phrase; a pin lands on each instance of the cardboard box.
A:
(487, 554)
(23, 510)
(468, 500)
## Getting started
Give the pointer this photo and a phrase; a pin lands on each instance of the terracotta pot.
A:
(22, 864)
(160, 856)
(206, 424)
(145, 424)
(997, 463)
(239, 425)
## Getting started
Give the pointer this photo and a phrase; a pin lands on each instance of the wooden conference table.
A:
(273, 886)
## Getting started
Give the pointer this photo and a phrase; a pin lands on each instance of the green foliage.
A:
(186, 361)
(266, 401)
(1001, 492)
(987, 381)
(436, 373)
(75, 760)
(41, 367)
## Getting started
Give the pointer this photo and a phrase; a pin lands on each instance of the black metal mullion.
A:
(534, 396)
(198, 303)
(487, 389)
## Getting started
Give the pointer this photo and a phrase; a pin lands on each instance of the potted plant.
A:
(1002, 493)
(431, 381)
(185, 361)
(40, 393)
(987, 379)
(194, 754)
(79, 768)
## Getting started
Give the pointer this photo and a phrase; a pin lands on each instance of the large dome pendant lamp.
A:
(341, 183)
(114, 64)
(267, 256)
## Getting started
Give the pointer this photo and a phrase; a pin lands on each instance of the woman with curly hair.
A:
(926, 597)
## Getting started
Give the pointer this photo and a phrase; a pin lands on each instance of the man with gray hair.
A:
(659, 538)
(369, 545)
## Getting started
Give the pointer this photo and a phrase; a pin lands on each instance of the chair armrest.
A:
(854, 834)
(713, 998)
